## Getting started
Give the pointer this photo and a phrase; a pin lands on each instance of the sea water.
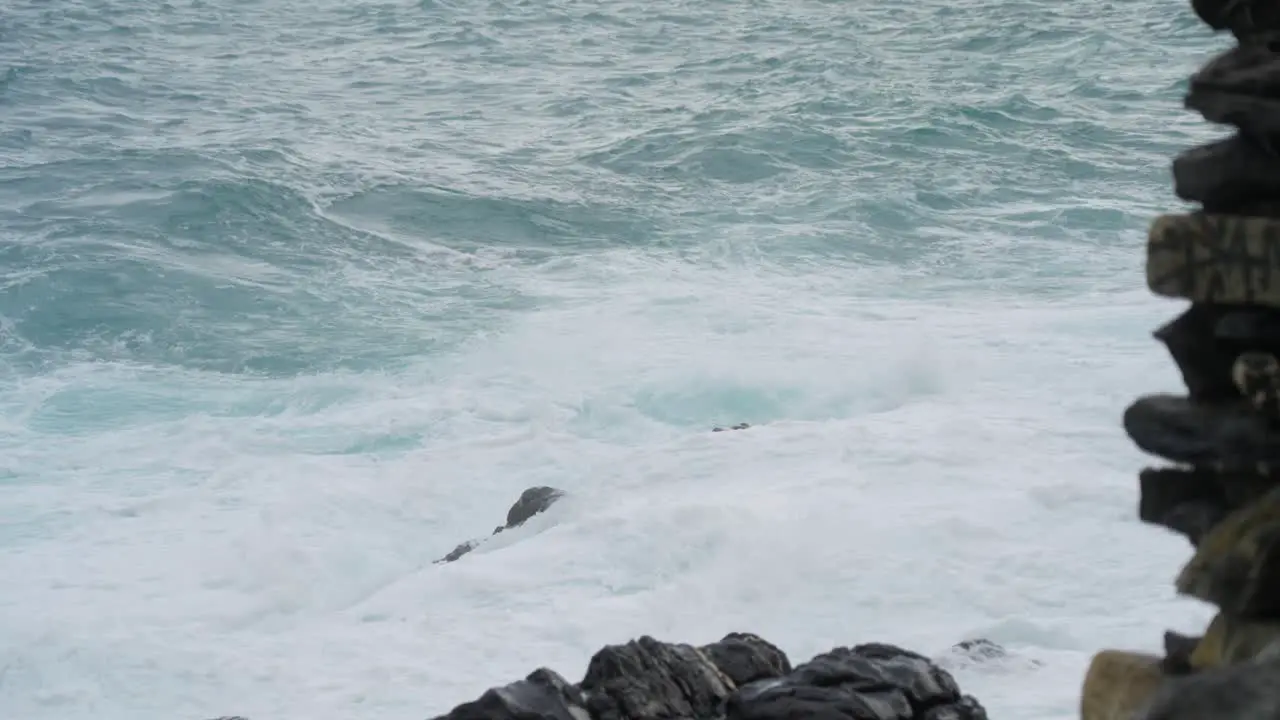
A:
(296, 296)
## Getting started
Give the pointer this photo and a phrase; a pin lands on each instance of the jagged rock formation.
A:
(741, 677)
(1223, 434)
(531, 502)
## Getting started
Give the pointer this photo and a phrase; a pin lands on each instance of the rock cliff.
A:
(1222, 436)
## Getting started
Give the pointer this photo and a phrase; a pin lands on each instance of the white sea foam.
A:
(919, 473)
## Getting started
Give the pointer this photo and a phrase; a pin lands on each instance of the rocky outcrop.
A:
(741, 677)
(531, 502)
(1223, 434)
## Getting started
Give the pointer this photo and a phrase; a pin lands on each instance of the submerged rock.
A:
(741, 677)
(979, 649)
(531, 502)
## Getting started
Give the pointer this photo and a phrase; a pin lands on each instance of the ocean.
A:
(297, 296)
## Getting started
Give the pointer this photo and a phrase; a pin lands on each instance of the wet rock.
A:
(741, 677)
(1166, 490)
(1215, 258)
(543, 695)
(739, 426)
(647, 680)
(745, 658)
(1190, 502)
(459, 551)
(1237, 564)
(1241, 87)
(980, 649)
(1228, 437)
(1229, 640)
(981, 655)
(1247, 691)
(1178, 649)
(871, 682)
(531, 502)
(1203, 358)
(1244, 18)
(1228, 176)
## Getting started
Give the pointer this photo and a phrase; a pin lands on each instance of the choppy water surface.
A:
(294, 296)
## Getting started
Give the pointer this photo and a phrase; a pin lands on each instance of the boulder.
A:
(740, 677)
(531, 502)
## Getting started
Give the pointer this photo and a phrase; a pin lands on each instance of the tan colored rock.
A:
(1229, 640)
(1257, 376)
(1237, 564)
(1215, 258)
(1118, 684)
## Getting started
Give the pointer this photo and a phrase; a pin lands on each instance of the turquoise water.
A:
(296, 296)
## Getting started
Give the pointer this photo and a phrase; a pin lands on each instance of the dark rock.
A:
(1226, 352)
(966, 708)
(462, 549)
(543, 695)
(1244, 18)
(1229, 175)
(1249, 328)
(746, 658)
(1189, 502)
(741, 677)
(1228, 437)
(647, 680)
(980, 649)
(1241, 87)
(1204, 360)
(1247, 691)
(739, 426)
(1237, 564)
(531, 502)
(1178, 649)
(1194, 501)
(780, 700)
(866, 682)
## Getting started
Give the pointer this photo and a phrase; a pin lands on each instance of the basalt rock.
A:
(741, 677)
(1228, 176)
(531, 502)
(1223, 434)
(1246, 19)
